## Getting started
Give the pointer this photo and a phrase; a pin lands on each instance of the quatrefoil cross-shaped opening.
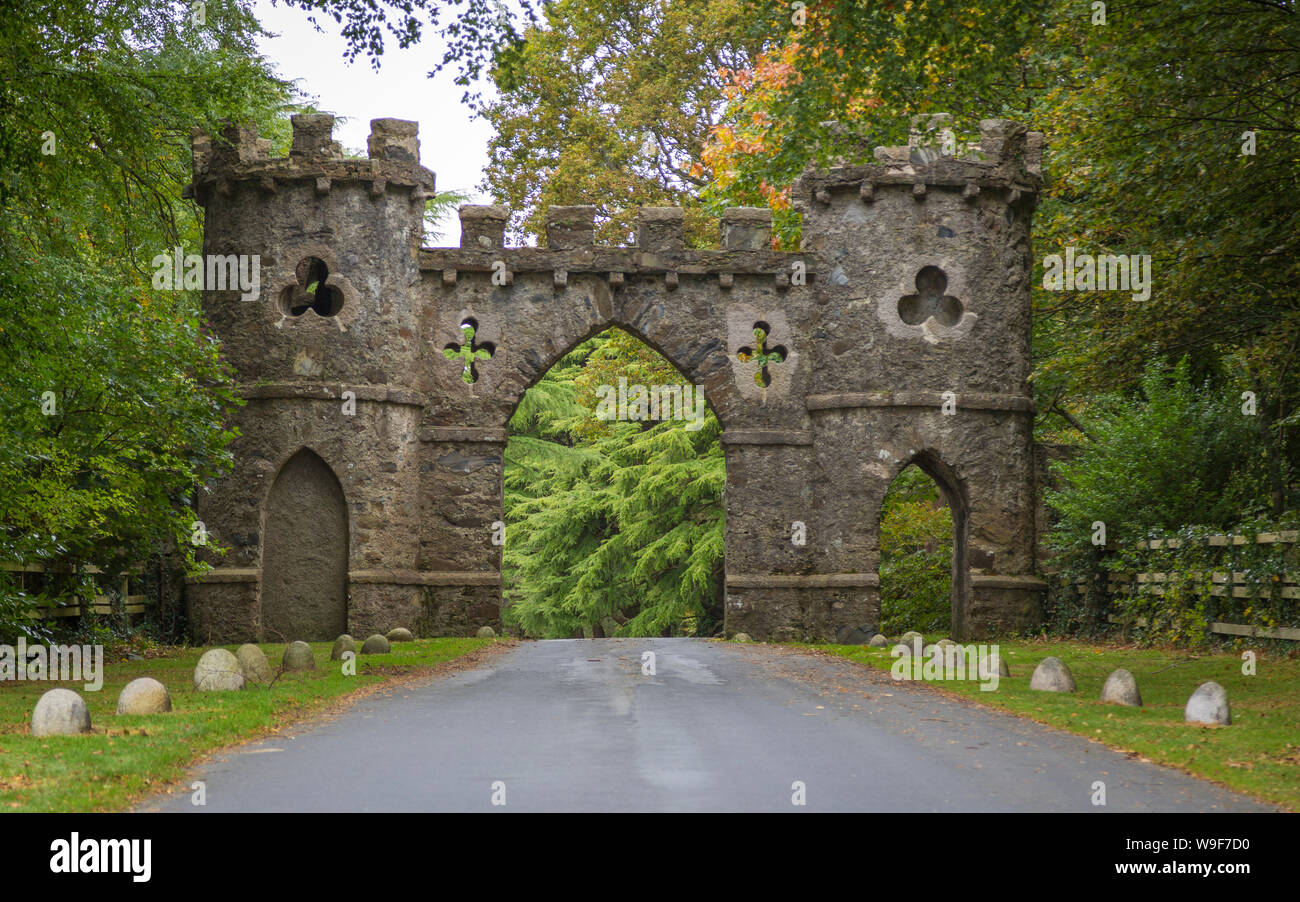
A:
(761, 354)
(469, 351)
(930, 300)
(311, 291)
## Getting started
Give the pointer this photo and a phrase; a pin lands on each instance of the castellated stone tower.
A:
(338, 313)
(380, 376)
(922, 353)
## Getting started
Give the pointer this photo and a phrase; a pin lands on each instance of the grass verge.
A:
(125, 758)
(1258, 754)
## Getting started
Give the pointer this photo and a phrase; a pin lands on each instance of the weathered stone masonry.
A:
(904, 321)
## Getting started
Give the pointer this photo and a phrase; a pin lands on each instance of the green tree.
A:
(438, 208)
(112, 396)
(1151, 120)
(610, 104)
(1179, 454)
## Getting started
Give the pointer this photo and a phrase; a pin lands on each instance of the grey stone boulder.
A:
(994, 660)
(376, 645)
(253, 663)
(400, 634)
(1121, 689)
(60, 712)
(343, 643)
(908, 636)
(1051, 675)
(486, 632)
(144, 695)
(878, 641)
(298, 657)
(1208, 705)
(218, 671)
(741, 637)
(945, 642)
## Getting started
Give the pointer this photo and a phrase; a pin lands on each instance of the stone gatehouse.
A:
(368, 471)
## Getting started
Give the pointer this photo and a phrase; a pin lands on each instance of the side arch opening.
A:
(924, 575)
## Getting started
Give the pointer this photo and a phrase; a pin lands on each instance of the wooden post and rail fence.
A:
(1221, 583)
(100, 604)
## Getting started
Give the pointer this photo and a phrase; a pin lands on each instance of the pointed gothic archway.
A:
(951, 492)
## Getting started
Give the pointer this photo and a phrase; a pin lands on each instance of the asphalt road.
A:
(576, 726)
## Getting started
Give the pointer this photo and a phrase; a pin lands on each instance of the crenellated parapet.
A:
(660, 250)
(1007, 158)
(238, 155)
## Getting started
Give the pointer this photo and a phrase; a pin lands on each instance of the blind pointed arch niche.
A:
(305, 553)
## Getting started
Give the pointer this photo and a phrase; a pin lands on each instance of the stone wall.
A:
(903, 323)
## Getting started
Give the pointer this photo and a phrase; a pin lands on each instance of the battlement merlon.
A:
(239, 156)
(1008, 157)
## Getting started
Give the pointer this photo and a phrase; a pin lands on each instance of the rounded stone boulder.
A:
(945, 642)
(909, 636)
(144, 695)
(1208, 705)
(60, 712)
(1121, 689)
(994, 661)
(297, 657)
(741, 637)
(376, 645)
(253, 663)
(218, 671)
(1051, 675)
(486, 632)
(400, 634)
(878, 641)
(343, 643)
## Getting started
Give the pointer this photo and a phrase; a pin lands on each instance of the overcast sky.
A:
(452, 142)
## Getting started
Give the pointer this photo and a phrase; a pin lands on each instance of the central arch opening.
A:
(614, 478)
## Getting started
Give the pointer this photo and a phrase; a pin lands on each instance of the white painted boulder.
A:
(1051, 675)
(144, 695)
(1121, 689)
(1208, 705)
(253, 663)
(992, 663)
(218, 671)
(60, 712)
